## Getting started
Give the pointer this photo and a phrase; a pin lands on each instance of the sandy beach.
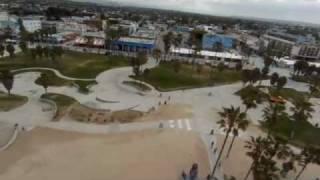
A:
(47, 154)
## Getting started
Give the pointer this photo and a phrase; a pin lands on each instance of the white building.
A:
(306, 52)
(32, 25)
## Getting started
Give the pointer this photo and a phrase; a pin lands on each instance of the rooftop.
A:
(207, 53)
(136, 40)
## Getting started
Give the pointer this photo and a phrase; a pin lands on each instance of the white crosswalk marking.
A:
(171, 124)
(180, 124)
(188, 124)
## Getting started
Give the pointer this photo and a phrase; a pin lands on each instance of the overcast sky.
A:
(299, 10)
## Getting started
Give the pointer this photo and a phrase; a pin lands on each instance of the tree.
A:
(176, 66)
(137, 62)
(39, 51)
(44, 81)
(282, 81)
(220, 66)
(232, 120)
(301, 110)
(2, 48)
(10, 49)
(274, 78)
(309, 155)
(23, 46)
(300, 67)
(7, 80)
(273, 114)
(199, 68)
(156, 54)
(167, 40)
(256, 147)
(262, 152)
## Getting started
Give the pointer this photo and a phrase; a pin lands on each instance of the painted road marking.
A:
(187, 121)
(171, 124)
(180, 124)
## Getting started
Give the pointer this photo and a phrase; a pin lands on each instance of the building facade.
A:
(210, 41)
(32, 25)
(306, 52)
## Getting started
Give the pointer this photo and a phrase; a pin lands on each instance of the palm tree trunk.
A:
(230, 147)
(220, 153)
(301, 171)
(249, 171)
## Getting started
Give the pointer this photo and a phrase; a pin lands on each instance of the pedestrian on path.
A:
(212, 144)
(212, 132)
(215, 150)
(184, 175)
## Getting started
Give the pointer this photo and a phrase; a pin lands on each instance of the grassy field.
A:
(287, 93)
(63, 103)
(8, 103)
(137, 85)
(165, 78)
(54, 80)
(305, 133)
(74, 64)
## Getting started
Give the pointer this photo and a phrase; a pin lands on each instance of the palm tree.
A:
(272, 114)
(282, 81)
(302, 111)
(256, 147)
(10, 49)
(167, 40)
(309, 155)
(274, 78)
(157, 54)
(263, 151)
(7, 80)
(2, 48)
(232, 119)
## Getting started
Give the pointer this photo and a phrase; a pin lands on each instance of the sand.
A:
(46, 154)
(238, 163)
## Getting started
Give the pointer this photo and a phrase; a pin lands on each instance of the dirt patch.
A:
(51, 154)
(85, 114)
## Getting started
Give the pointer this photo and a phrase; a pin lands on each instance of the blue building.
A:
(210, 40)
(133, 44)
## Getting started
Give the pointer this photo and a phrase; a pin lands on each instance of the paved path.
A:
(110, 88)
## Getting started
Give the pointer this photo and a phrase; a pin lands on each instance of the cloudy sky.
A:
(299, 10)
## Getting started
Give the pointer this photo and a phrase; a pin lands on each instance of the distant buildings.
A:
(134, 44)
(276, 46)
(306, 52)
(32, 24)
(217, 41)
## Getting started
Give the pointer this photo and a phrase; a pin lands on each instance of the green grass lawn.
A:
(54, 80)
(74, 64)
(305, 134)
(165, 78)
(63, 103)
(137, 85)
(8, 103)
(287, 93)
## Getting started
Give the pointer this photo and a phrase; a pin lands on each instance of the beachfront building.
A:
(217, 42)
(32, 24)
(134, 44)
(276, 46)
(306, 52)
(186, 54)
